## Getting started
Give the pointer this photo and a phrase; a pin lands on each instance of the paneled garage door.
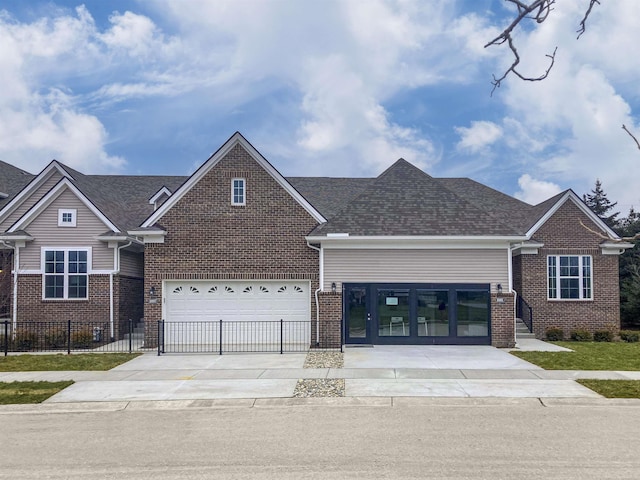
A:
(250, 310)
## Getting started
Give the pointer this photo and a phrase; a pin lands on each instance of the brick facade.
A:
(330, 319)
(563, 234)
(208, 238)
(6, 265)
(130, 301)
(502, 320)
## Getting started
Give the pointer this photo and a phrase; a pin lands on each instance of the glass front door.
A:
(417, 314)
(357, 315)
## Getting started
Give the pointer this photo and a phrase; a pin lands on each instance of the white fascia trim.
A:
(31, 187)
(16, 238)
(615, 248)
(413, 242)
(163, 191)
(148, 236)
(570, 195)
(526, 248)
(45, 201)
(118, 238)
(235, 139)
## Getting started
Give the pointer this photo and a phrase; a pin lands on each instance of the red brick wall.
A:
(131, 302)
(562, 234)
(208, 238)
(330, 319)
(31, 306)
(502, 320)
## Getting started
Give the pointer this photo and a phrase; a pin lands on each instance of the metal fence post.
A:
(341, 333)
(159, 326)
(6, 338)
(281, 325)
(68, 337)
(220, 338)
(130, 335)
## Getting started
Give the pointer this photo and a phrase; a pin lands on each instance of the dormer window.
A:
(67, 217)
(238, 191)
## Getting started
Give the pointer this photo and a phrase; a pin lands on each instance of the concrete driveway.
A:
(381, 371)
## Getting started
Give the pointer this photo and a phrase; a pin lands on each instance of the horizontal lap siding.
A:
(132, 264)
(46, 233)
(416, 266)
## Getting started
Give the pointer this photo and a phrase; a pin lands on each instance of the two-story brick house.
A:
(403, 258)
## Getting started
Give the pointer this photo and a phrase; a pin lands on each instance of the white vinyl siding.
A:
(131, 264)
(46, 233)
(416, 266)
(31, 201)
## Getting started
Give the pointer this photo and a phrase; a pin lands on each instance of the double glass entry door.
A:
(417, 314)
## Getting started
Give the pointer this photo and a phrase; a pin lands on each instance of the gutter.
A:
(316, 293)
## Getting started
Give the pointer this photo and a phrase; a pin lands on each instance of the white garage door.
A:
(250, 312)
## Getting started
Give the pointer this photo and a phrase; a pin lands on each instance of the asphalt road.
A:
(510, 441)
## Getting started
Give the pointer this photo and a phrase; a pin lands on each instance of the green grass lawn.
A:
(614, 388)
(587, 356)
(82, 361)
(29, 392)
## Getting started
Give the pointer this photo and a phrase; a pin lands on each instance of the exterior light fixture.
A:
(333, 287)
(499, 287)
(152, 292)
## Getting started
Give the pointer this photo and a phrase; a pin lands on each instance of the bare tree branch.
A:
(605, 237)
(539, 11)
(624, 127)
(583, 23)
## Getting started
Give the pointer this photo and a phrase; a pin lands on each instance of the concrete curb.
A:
(389, 402)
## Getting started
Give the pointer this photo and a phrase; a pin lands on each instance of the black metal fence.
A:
(280, 336)
(524, 312)
(68, 336)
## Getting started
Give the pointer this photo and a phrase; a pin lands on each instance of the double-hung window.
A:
(66, 274)
(569, 277)
(238, 192)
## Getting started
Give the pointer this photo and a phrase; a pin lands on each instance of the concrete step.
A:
(525, 335)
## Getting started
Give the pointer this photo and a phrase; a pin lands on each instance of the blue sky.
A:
(332, 88)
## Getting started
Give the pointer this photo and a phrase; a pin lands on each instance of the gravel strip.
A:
(324, 360)
(319, 387)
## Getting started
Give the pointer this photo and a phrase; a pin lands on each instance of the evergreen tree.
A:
(598, 202)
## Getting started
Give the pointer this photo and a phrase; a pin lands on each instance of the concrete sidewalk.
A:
(382, 372)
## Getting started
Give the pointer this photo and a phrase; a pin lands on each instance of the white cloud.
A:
(535, 191)
(478, 136)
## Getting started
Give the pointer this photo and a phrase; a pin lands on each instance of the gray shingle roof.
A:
(12, 180)
(404, 200)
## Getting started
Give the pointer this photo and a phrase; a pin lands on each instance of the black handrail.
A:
(525, 313)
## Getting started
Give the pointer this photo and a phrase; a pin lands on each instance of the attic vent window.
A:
(238, 190)
(67, 217)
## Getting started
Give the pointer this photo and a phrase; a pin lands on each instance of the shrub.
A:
(81, 339)
(554, 334)
(25, 340)
(630, 336)
(55, 338)
(603, 336)
(581, 335)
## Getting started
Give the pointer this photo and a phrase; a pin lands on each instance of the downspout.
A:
(510, 250)
(16, 264)
(116, 271)
(316, 292)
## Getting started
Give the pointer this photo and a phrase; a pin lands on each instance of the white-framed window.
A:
(67, 217)
(570, 277)
(238, 191)
(65, 273)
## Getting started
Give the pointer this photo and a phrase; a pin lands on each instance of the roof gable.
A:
(551, 206)
(46, 200)
(236, 139)
(31, 187)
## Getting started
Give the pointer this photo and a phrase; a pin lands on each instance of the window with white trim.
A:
(569, 277)
(67, 217)
(66, 274)
(238, 191)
